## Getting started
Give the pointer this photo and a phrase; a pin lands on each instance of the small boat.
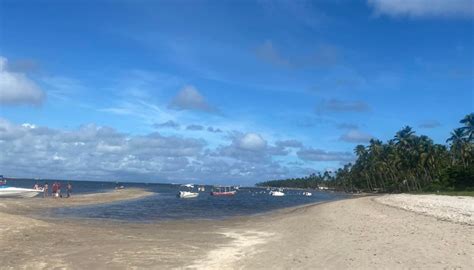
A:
(277, 193)
(187, 193)
(201, 188)
(223, 191)
(15, 192)
(307, 193)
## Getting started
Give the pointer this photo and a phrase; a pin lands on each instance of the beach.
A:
(361, 233)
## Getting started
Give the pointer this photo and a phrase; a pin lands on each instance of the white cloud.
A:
(289, 143)
(324, 55)
(167, 124)
(423, 8)
(356, 136)
(214, 130)
(194, 127)
(96, 152)
(430, 124)
(189, 98)
(336, 105)
(252, 141)
(322, 155)
(16, 88)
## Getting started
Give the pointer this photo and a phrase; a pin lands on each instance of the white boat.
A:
(14, 192)
(277, 193)
(187, 194)
(307, 193)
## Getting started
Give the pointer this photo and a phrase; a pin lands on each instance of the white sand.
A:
(243, 243)
(453, 208)
(349, 234)
(360, 234)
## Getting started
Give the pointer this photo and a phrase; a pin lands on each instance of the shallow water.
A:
(164, 205)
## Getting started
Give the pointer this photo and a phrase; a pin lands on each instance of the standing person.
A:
(55, 190)
(59, 190)
(36, 186)
(45, 190)
(68, 189)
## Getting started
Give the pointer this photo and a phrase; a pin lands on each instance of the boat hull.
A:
(226, 193)
(277, 193)
(187, 194)
(12, 192)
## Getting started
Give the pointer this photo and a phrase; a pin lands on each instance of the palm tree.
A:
(402, 136)
(458, 145)
(468, 128)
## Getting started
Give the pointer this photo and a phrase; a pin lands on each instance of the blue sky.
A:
(223, 91)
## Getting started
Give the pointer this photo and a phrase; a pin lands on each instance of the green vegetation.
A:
(406, 163)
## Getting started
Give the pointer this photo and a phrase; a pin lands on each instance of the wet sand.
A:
(355, 233)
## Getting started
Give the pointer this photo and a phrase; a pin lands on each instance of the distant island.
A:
(406, 163)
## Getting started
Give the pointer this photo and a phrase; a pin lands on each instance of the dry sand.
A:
(453, 208)
(356, 233)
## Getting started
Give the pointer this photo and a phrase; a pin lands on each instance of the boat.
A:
(223, 191)
(15, 192)
(201, 188)
(307, 193)
(187, 193)
(277, 193)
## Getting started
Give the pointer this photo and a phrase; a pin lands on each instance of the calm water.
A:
(164, 205)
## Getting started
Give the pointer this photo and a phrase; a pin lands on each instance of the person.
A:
(54, 191)
(59, 190)
(68, 189)
(36, 186)
(45, 190)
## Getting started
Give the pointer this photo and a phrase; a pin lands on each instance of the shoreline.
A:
(357, 232)
(24, 206)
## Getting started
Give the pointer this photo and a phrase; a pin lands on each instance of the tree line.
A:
(405, 163)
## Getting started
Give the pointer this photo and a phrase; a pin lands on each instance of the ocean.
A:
(164, 205)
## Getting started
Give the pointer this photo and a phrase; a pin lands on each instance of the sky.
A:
(224, 92)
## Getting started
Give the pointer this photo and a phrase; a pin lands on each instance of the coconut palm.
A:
(458, 145)
(468, 128)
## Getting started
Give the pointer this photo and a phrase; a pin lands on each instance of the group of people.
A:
(55, 189)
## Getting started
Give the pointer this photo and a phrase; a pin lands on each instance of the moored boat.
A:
(187, 193)
(277, 193)
(223, 191)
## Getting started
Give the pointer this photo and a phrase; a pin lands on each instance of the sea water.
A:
(163, 204)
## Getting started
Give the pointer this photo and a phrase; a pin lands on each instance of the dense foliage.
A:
(407, 162)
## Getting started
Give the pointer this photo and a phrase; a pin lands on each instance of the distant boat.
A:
(277, 193)
(187, 193)
(307, 193)
(201, 188)
(223, 191)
